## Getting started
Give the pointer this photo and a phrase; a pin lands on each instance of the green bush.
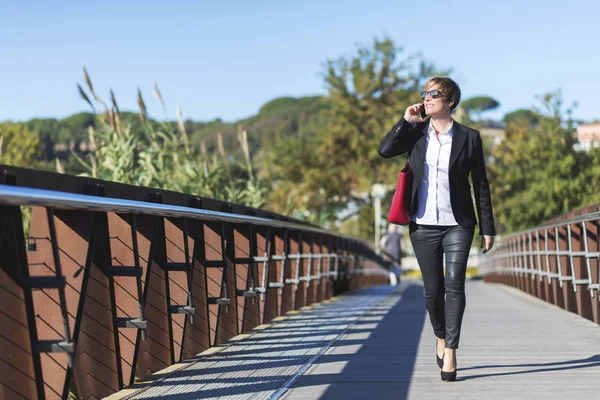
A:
(160, 156)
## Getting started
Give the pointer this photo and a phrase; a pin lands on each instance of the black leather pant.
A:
(444, 298)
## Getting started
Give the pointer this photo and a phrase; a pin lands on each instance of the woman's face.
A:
(435, 101)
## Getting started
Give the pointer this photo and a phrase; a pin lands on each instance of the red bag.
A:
(400, 208)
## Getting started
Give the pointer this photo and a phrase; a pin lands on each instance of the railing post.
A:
(21, 373)
(197, 337)
(511, 267)
(179, 272)
(303, 271)
(312, 270)
(579, 269)
(290, 272)
(593, 243)
(279, 259)
(247, 281)
(220, 275)
(553, 248)
(542, 281)
(566, 275)
(320, 275)
(531, 270)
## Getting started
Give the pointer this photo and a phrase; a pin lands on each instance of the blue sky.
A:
(226, 58)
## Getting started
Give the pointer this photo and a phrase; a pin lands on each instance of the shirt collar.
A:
(449, 132)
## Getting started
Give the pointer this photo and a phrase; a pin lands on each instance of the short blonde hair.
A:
(447, 86)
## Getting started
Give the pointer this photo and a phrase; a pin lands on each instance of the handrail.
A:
(574, 220)
(22, 196)
(558, 262)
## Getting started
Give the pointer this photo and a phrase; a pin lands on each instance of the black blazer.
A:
(466, 156)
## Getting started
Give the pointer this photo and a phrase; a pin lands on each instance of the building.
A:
(588, 135)
(497, 134)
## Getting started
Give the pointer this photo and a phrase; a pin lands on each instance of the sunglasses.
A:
(433, 93)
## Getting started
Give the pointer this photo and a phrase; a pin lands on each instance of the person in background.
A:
(391, 249)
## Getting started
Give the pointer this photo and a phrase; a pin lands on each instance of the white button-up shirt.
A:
(435, 207)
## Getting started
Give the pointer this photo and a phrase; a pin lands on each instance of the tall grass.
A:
(160, 155)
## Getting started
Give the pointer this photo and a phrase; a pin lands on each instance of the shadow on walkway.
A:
(376, 359)
(255, 365)
(593, 361)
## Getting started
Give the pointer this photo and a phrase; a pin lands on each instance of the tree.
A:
(536, 174)
(367, 94)
(478, 105)
(290, 163)
(19, 146)
(592, 176)
(336, 159)
(61, 137)
(526, 116)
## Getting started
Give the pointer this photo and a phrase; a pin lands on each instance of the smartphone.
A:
(422, 111)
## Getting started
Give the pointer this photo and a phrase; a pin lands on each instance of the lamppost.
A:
(378, 191)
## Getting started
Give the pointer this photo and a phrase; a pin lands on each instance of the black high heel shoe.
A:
(450, 376)
(440, 361)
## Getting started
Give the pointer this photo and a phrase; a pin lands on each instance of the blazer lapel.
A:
(419, 164)
(458, 143)
(420, 144)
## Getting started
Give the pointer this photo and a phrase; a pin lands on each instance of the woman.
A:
(443, 154)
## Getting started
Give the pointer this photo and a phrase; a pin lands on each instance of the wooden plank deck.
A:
(378, 344)
(513, 346)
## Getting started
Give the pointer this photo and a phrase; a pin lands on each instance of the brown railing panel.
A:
(197, 335)
(20, 372)
(156, 352)
(115, 282)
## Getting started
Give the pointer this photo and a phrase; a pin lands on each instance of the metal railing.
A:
(116, 282)
(557, 262)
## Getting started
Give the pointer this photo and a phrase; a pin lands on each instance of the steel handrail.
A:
(574, 220)
(22, 196)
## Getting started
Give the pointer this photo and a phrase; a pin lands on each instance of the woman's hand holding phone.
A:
(415, 113)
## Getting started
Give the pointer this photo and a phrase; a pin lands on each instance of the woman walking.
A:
(443, 154)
